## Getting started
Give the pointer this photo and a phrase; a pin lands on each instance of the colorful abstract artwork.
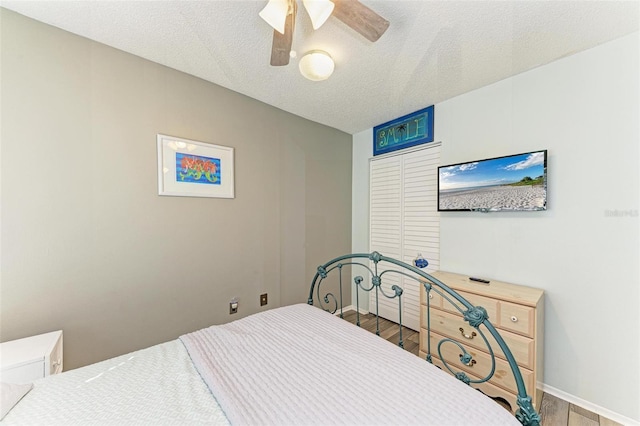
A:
(197, 169)
(188, 168)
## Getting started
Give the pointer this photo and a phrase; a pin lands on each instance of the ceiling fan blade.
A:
(360, 18)
(281, 47)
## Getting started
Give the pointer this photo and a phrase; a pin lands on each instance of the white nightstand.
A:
(31, 358)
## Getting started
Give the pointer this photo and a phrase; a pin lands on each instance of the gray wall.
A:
(585, 110)
(87, 244)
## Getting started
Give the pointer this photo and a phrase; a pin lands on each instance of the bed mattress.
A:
(300, 365)
(294, 365)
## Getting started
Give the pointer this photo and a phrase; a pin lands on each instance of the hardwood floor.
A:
(553, 411)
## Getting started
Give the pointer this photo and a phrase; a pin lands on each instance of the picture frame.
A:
(404, 132)
(188, 168)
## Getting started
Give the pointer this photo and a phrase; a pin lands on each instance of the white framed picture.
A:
(188, 168)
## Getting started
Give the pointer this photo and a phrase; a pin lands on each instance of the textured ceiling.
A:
(432, 51)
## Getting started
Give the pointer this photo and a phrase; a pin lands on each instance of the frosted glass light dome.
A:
(316, 65)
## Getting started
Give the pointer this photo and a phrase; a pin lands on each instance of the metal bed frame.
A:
(474, 315)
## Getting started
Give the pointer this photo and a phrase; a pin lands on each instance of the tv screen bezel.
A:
(544, 208)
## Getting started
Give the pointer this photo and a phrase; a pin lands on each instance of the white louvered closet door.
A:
(404, 221)
(385, 219)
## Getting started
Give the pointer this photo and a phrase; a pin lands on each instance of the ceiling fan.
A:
(281, 15)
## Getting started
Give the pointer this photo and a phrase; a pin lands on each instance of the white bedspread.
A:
(154, 386)
(299, 365)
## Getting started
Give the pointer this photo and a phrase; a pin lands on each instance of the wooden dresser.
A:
(516, 311)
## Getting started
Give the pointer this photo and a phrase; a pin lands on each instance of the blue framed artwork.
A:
(409, 130)
(189, 168)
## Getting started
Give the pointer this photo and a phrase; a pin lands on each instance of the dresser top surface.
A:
(514, 293)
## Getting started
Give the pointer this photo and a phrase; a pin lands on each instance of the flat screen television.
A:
(510, 183)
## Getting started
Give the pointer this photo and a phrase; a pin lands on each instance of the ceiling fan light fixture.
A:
(316, 65)
(275, 14)
(319, 11)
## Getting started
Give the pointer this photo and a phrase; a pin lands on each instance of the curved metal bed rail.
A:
(475, 316)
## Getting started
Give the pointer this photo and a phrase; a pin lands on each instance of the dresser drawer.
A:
(25, 373)
(517, 318)
(435, 300)
(490, 305)
(455, 327)
(488, 389)
(480, 364)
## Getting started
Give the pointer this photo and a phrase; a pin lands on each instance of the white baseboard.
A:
(351, 308)
(601, 411)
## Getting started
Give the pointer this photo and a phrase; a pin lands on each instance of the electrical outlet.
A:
(233, 306)
(263, 299)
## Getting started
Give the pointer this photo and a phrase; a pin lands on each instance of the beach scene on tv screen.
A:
(513, 183)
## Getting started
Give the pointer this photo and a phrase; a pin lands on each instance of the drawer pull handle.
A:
(468, 364)
(467, 336)
(514, 318)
